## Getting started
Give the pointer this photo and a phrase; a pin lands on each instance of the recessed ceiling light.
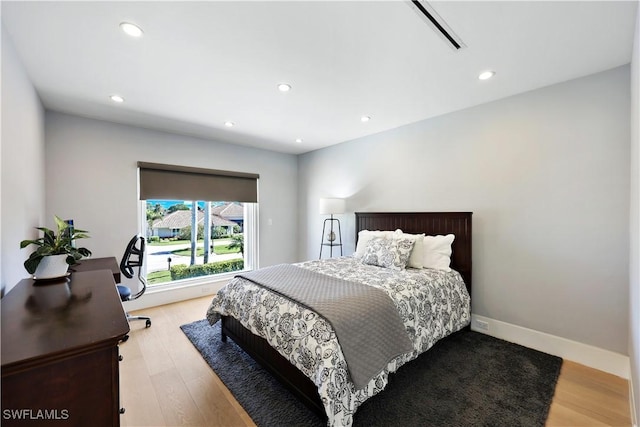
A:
(131, 29)
(365, 118)
(298, 140)
(486, 75)
(229, 124)
(116, 98)
(284, 87)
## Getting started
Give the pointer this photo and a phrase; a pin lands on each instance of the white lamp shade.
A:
(331, 206)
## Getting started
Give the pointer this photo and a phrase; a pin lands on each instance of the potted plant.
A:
(55, 252)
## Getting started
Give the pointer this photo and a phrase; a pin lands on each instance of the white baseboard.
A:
(155, 297)
(594, 357)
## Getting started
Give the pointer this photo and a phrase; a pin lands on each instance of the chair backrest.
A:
(134, 257)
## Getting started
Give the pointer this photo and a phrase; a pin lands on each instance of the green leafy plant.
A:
(237, 242)
(180, 271)
(56, 244)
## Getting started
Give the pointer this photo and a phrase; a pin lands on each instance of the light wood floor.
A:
(165, 382)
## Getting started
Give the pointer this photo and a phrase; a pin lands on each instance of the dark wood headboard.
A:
(430, 223)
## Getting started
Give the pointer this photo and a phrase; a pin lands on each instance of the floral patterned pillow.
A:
(388, 253)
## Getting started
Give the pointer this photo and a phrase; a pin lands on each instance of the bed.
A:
(311, 380)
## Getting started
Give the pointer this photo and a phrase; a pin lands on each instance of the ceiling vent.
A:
(431, 17)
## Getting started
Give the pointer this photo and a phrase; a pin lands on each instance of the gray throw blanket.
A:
(367, 324)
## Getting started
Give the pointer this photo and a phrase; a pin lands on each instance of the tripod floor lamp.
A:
(331, 207)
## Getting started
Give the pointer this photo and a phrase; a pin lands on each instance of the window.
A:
(195, 239)
(169, 233)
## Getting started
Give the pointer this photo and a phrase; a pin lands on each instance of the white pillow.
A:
(437, 252)
(417, 254)
(364, 237)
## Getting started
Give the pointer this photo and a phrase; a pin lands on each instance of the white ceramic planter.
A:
(51, 266)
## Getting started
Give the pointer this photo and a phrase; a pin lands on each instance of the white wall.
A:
(22, 166)
(546, 174)
(634, 251)
(91, 176)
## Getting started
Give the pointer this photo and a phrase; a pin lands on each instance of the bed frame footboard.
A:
(260, 350)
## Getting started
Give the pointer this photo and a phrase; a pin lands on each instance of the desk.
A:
(91, 264)
(60, 351)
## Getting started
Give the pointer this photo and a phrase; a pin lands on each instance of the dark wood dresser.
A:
(60, 352)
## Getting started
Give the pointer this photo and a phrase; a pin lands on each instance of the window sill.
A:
(182, 290)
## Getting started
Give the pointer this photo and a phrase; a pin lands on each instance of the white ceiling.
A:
(200, 64)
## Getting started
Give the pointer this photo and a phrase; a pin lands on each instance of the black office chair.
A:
(133, 257)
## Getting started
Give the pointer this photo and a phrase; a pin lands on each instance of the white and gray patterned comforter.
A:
(431, 303)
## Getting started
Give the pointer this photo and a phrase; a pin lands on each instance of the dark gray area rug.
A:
(468, 379)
